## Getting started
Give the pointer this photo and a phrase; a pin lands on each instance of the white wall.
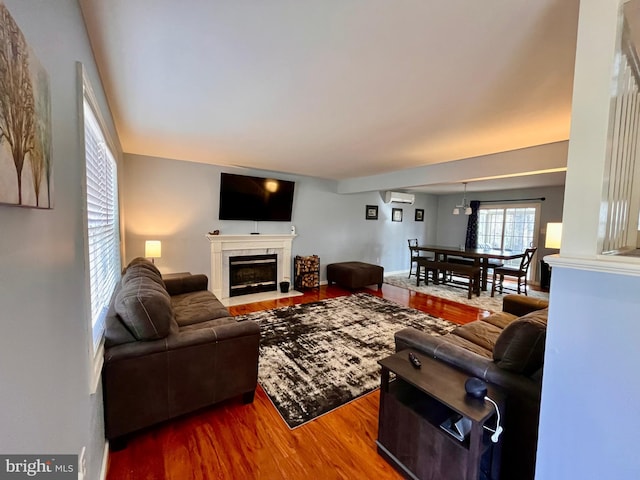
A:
(177, 202)
(589, 420)
(45, 406)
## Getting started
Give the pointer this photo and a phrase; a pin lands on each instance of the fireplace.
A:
(252, 274)
(223, 247)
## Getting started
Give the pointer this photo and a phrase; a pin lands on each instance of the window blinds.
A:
(102, 221)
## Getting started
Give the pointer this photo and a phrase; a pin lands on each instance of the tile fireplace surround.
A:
(225, 246)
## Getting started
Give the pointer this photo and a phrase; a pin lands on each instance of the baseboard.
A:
(397, 272)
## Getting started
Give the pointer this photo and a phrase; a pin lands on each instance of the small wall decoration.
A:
(419, 215)
(371, 212)
(396, 214)
(25, 121)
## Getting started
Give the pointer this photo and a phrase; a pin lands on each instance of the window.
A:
(508, 227)
(103, 234)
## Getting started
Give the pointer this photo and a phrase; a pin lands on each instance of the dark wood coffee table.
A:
(413, 405)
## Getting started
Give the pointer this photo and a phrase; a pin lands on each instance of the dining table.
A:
(480, 256)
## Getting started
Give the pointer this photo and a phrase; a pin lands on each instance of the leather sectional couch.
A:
(171, 348)
(506, 350)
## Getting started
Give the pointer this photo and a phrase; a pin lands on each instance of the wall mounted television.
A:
(255, 198)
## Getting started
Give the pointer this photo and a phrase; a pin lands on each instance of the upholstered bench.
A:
(354, 275)
(470, 272)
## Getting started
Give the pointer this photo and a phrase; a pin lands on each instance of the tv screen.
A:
(255, 198)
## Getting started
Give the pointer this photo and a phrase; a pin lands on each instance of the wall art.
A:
(26, 170)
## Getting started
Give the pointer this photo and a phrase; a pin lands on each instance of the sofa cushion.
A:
(500, 319)
(197, 307)
(467, 345)
(146, 269)
(520, 346)
(115, 333)
(143, 261)
(482, 334)
(145, 308)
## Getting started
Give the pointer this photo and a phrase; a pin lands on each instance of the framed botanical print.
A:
(371, 212)
(26, 170)
(396, 214)
(419, 215)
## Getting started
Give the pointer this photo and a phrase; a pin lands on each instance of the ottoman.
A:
(354, 275)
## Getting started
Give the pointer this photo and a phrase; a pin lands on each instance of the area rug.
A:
(318, 356)
(484, 301)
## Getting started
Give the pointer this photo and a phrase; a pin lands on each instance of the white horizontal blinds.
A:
(102, 221)
(623, 155)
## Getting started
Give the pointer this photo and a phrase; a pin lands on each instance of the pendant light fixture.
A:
(465, 207)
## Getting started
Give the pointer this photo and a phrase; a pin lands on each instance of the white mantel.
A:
(225, 246)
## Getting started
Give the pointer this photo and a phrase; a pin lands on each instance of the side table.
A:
(415, 402)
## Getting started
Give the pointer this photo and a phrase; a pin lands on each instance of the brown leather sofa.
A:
(171, 348)
(506, 350)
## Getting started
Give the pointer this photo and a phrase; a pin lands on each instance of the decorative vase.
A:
(284, 287)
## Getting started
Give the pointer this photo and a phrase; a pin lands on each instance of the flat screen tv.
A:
(255, 198)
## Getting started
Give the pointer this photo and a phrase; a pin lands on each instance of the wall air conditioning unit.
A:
(399, 197)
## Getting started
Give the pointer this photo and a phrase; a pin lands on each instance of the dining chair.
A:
(414, 253)
(520, 273)
(492, 264)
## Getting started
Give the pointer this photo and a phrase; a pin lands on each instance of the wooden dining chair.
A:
(493, 263)
(414, 254)
(520, 273)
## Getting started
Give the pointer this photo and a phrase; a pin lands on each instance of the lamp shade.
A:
(153, 249)
(554, 235)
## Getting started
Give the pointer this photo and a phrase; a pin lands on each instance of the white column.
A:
(216, 270)
(598, 40)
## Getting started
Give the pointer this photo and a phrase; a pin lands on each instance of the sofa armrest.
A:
(135, 349)
(222, 329)
(520, 305)
(466, 361)
(186, 284)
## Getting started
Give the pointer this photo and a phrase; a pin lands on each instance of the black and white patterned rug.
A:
(318, 356)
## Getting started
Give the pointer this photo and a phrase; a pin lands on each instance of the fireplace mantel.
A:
(224, 246)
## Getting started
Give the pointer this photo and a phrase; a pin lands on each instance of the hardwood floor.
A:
(236, 441)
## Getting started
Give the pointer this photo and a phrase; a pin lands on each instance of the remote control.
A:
(414, 360)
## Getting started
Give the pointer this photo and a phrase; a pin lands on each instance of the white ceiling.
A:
(335, 88)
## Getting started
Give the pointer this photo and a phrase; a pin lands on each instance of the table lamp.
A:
(554, 235)
(153, 249)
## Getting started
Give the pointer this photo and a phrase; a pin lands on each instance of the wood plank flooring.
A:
(236, 441)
